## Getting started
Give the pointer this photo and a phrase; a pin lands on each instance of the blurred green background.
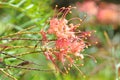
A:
(16, 15)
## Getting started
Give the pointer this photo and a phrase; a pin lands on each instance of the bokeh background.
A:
(103, 16)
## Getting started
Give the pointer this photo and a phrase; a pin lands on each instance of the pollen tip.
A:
(70, 6)
(56, 5)
(96, 42)
(63, 7)
(68, 68)
(66, 72)
(82, 64)
(84, 76)
(70, 11)
(95, 61)
(86, 46)
(81, 20)
(89, 35)
(74, 7)
(95, 31)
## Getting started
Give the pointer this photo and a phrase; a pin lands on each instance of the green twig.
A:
(26, 53)
(20, 39)
(19, 33)
(28, 68)
(20, 59)
(7, 74)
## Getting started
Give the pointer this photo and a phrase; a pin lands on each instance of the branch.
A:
(7, 74)
(35, 69)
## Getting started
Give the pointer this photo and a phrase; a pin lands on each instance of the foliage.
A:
(21, 55)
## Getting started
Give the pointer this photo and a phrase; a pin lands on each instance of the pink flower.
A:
(69, 42)
(77, 46)
(108, 13)
(89, 7)
(62, 43)
(60, 28)
(104, 12)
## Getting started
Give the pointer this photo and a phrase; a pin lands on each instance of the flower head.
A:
(69, 42)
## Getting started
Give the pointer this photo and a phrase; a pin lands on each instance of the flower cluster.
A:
(104, 12)
(69, 42)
